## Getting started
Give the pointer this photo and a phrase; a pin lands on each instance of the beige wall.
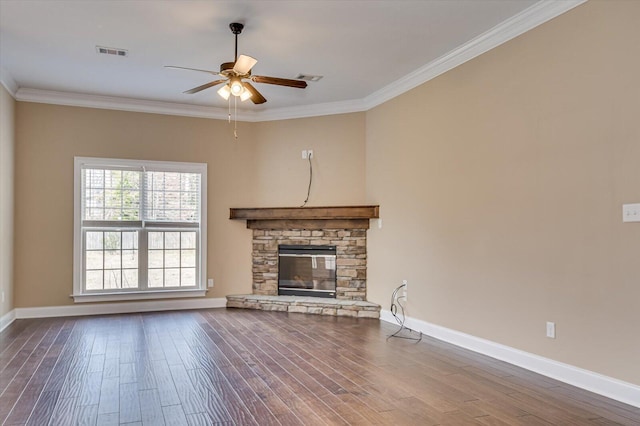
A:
(259, 169)
(501, 186)
(7, 143)
(282, 176)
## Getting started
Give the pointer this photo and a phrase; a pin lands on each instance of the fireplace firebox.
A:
(307, 270)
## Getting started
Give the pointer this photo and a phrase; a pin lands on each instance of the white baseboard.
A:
(627, 393)
(7, 319)
(119, 308)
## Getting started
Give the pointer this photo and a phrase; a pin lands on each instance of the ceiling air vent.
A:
(112, 51)
(308, 77)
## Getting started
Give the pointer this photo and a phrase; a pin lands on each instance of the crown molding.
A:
(170, 108)
(315, 110)
(526, 20)
(537, 14)
(8, 82)
(124, 104)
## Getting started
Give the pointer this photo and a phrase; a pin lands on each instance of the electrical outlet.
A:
(404, 289)
(307, 153)
(631, 212)
(210, 282)
(551, 330)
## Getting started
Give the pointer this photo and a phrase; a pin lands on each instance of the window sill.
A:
(137, 295)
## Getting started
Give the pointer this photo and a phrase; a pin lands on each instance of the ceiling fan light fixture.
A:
(224, 92)
(236, 86)
(244, 64)
(245, 95)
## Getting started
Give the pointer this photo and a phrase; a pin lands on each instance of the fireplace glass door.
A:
(307, 270)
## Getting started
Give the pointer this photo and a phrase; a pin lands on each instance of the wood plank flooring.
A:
(243, 367)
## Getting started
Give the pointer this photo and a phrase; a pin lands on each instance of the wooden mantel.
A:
(340, 217)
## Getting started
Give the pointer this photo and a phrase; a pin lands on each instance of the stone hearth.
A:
(305, 305)
(343, 227)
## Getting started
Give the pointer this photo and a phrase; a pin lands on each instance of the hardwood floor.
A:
(268, 368)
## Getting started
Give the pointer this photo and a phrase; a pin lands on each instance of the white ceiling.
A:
(360, 47)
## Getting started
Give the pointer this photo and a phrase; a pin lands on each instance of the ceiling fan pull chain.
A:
(235, 119)
(229, 104)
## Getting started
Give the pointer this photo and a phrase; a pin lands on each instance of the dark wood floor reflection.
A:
(267, 368)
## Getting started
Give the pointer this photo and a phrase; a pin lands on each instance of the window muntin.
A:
(172, 197)
(172, 258)
(139, 226)
(110, 259)
(111, 194)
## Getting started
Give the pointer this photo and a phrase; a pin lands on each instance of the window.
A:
(139, 229)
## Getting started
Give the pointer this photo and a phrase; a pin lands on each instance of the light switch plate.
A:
(551, 330)
(631, 212)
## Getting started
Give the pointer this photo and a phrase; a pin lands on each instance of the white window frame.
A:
(79, 294)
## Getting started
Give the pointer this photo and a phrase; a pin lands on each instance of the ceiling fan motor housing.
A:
(236, 27)
(226, 68)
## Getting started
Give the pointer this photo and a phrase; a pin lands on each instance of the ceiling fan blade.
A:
(192, 69)
(256, 97)
(204, 86)
(244, 64)
(300, 84)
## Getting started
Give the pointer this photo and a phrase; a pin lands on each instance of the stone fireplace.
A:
(344, 228)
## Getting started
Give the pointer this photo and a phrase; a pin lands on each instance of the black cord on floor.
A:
(310, 180)
(400, 317)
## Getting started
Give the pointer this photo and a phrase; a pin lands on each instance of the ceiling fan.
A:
(237, 72)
